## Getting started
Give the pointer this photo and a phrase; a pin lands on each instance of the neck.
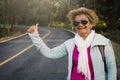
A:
(84, 35)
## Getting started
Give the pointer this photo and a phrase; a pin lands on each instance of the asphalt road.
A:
(30, 64)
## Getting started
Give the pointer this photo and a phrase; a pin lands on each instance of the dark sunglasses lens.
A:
(75, 23)
(84, 22)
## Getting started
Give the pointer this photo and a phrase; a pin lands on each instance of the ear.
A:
(91, 25)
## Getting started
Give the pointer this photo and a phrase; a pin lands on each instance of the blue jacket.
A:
(66, 49)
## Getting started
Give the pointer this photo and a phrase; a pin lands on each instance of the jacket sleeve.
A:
(53, 53)
(110, 62)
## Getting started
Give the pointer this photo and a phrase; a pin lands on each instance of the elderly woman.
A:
(90, 55)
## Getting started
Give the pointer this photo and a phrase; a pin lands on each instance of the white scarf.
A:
(82, 45)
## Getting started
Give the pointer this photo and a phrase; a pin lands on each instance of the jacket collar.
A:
(99, 40)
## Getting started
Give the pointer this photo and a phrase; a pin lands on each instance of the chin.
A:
(82, 31)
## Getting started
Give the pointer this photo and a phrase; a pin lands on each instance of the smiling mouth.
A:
(79, 28)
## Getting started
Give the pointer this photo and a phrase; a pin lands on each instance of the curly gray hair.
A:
(93, 18)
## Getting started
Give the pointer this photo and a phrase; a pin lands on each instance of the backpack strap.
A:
(101, 48)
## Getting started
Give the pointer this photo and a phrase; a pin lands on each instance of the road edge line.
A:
(21, 52)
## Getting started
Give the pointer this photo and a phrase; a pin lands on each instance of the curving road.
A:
(20, 60)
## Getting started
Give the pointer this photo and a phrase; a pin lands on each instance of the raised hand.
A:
(33, 28)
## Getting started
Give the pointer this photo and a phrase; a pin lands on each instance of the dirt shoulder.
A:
(14, 33)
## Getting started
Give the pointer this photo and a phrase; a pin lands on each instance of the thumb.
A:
(36, 26)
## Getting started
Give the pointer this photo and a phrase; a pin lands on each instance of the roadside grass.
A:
(10, 35)
(13, 33)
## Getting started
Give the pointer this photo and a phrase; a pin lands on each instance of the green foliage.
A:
(110, 12)
(44, 12)
(57, 24)
(65, 25)
(6, 26)
(101, 26)
(4, 29)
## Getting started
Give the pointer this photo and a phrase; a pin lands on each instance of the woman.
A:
(85, 60)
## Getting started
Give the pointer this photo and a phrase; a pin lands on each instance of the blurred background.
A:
(53, 13)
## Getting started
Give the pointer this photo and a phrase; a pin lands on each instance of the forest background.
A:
(53, 13)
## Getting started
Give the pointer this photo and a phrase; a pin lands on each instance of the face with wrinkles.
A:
(82, 25)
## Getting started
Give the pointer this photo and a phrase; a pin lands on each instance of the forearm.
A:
(54, 53)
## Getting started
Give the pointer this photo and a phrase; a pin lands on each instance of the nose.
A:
(80, 24)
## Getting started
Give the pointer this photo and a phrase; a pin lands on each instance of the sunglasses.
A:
(83, 22)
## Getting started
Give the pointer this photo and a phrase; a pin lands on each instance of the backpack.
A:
(101, 48)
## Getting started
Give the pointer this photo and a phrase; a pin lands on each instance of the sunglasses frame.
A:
(82, 21)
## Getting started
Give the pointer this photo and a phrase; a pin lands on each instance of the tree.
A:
(108, 11)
